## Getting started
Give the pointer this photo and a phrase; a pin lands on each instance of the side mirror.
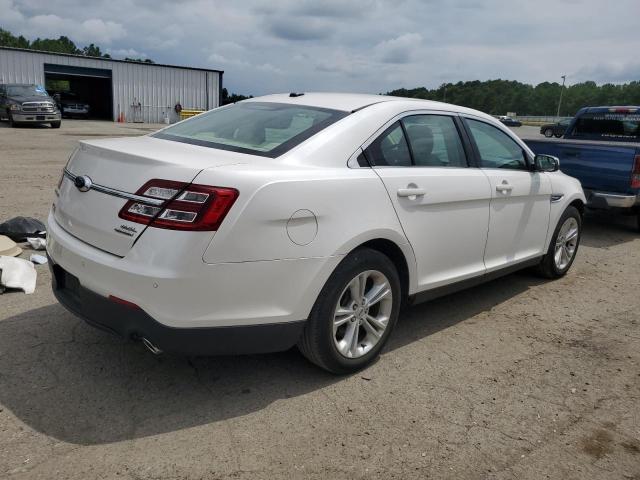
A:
(546, 163)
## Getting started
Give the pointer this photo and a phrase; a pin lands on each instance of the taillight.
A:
(186, 207)
(635, 173)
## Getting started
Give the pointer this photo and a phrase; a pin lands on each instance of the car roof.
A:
(347, 102)
(612, 108)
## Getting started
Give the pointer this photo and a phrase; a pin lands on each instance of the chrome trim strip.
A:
(118, 193)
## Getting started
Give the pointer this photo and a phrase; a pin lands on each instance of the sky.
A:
(353, 45)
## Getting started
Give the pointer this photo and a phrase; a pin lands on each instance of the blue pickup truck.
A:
(601, 148)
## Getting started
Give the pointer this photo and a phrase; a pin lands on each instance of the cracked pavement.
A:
(519, 378)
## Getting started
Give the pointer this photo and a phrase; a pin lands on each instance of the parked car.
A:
(555, 129)
(28, 104)
(509, 122)
(301, 220)
(601, 148)
(71, 105)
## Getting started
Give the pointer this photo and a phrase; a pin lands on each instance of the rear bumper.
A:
(166, 277)
(133, 323)
(36, 117)
(611, 200)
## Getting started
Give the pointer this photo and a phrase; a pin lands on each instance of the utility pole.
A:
(564, 77)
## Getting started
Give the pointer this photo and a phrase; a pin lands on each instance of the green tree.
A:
(62, 44)
(233, 98)
(7, 39)
(498, 97)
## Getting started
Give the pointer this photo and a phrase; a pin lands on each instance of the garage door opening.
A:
(78, 87)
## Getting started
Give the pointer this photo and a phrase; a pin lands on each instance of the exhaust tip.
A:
(151, 346)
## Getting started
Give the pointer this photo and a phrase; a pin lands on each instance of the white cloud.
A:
(399, 49)
(360, 45)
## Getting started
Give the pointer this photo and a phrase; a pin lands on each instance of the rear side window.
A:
(390, 149)
(496, 148)
(617, 126)
(258, 128)
(434, 141)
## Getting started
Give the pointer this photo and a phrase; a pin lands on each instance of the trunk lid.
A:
(125, 164)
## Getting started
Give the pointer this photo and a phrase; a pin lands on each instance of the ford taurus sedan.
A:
(301, 219)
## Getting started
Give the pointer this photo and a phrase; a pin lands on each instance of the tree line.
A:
(498, 97)
(61, 44)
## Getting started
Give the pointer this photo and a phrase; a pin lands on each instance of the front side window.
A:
(496, 148)
(434, 141)
(389, 149)
(259, 128)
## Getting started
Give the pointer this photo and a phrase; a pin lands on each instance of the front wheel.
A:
(56, 124)
(563, 246)
(548, 133)
(354, 314)
(558, 135)
(12, 124)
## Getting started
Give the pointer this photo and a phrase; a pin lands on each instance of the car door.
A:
(441, 202)
(520, 197)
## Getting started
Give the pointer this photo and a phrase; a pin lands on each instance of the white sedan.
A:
(301, 219)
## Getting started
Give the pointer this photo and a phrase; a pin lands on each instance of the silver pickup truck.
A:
(28, 104)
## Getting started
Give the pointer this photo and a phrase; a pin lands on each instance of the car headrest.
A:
(252, 134)
(421, 138)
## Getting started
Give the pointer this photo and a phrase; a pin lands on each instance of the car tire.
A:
(56, 124)
(548, 133)
(12, 124)
(564, 245)
(558, 135)
(338, 334)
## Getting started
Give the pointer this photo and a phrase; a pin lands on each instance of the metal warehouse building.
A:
(137, 92)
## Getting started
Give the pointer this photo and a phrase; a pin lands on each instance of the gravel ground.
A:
(518, 378)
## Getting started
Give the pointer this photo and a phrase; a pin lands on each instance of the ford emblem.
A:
(83, 183)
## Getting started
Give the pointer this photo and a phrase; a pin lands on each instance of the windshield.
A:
(259, 128)
(619, 126)
(26, 91)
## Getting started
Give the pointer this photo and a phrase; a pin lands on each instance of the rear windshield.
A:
(259, 128)
(614, 126)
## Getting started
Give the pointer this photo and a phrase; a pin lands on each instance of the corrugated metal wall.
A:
(158, 88)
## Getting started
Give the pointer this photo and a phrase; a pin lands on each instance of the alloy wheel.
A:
(362, 314)
(566, 243)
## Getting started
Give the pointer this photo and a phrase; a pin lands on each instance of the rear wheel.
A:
(354, 314)
(558, 135)
(548, 133)
(563, 246)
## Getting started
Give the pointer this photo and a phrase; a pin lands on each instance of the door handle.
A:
(504, 188)
(411, 192)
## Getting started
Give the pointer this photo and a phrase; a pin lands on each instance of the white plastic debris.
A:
(18, 273)
(38, 259)
(37, 243)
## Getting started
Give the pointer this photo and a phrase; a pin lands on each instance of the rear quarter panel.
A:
(280, 208)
